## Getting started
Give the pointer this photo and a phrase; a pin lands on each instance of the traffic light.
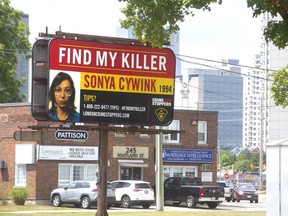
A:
(251, 166)
(218, 166)
(233, 166)
(264, 167)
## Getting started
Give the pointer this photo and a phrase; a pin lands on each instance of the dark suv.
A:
(244, 191)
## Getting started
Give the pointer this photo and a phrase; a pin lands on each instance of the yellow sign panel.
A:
(130, 152)
(131, 84)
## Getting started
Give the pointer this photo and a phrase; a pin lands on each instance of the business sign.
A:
(188, 155)
(76, 135)
(113, 83)
(130, 152)
(67, 153)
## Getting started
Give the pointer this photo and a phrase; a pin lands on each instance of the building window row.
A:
(74, 172)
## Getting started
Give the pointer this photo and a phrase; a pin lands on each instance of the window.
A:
(202, 132)
(78, 173)
(72, 172)
(173, 137)
(180, 171)
(206, 167)
(20, 177)
(177, 172)
(190, 171)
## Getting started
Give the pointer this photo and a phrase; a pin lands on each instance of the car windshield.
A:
(247, 187)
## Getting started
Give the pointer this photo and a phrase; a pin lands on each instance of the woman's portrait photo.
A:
(62, 99)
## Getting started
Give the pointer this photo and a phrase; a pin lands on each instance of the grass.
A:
(39, 210)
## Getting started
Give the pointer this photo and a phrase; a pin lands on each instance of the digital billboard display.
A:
(110, 83)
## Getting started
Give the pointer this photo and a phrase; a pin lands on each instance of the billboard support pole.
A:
(102, 177)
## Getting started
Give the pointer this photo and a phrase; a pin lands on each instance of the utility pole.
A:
(159, 172)
(102, 178)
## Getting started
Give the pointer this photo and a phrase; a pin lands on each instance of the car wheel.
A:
(56, 200)
(85, 202)
(126, 202)
(251, 201)
(256, 201)
(190, 202)
(212, 205)
(146, 205)
(238, 200)
(228, 199)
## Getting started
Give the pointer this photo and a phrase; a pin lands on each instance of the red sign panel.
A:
(110, 83)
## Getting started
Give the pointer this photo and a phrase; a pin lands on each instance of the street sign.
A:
(114, 83)
(71, 135)
(226, 176)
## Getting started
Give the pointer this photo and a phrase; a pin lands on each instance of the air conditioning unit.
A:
(3, 164)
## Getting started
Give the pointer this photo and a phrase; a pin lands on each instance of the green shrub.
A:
(19, 195)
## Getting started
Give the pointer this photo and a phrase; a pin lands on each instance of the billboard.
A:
(110, 83)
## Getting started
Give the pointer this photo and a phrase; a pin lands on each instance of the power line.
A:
(214, 67)
(239, 65)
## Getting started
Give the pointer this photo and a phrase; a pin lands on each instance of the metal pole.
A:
(159, 172)
(103, 158)
(219, 160)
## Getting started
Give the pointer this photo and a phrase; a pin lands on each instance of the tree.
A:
(154, 21)
(242, 165)
(279, 87)
(227, 158)
(276, 30)
(245, 158)
(13, 40)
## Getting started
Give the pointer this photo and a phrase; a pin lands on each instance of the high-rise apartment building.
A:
(264, 121)
(273, 59)
(254, 116)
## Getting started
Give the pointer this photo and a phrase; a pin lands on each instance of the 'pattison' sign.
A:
(71, 135)
(117, 83)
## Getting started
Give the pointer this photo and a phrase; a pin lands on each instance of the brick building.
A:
(42, 166)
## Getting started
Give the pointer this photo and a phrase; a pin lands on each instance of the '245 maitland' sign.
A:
(117, 83)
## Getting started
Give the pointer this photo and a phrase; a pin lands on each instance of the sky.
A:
(227, 31)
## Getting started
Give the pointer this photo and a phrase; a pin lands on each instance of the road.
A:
(243, 205)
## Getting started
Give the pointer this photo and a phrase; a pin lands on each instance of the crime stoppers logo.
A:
(161, 113)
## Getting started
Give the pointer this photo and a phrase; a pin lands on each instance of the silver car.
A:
(80, 193)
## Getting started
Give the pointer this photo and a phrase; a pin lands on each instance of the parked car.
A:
(191, 191)
(244, 191)
(132, 192)
(227, 190)
(80, 193)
